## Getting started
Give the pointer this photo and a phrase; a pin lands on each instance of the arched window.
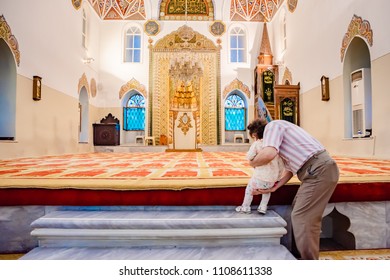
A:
(132, 52)
(134, 113)
(237, 45)
(235, 112)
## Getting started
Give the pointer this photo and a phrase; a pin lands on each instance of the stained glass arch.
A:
(134, 113)
(235, 112)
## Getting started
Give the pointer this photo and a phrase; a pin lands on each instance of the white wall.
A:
(315, 32)
(49, 38)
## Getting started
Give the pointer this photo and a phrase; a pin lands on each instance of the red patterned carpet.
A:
(179, 171)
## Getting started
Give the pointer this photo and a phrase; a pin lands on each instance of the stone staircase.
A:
(159, 233)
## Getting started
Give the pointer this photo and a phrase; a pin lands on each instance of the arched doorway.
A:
(7, 92)
(84, 116)
(357, 71)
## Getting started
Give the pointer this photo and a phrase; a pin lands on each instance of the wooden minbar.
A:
(107, 132)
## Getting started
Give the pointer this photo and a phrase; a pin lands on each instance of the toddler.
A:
(264, 176)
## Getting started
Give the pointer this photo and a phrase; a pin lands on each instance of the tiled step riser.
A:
(154, 223)
(157, 228)
(131, 238)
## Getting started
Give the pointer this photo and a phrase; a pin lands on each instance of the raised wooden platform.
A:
(160, 178)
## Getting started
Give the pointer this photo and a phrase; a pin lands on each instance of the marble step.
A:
(158, 219)
(252, 252)
(157, 228)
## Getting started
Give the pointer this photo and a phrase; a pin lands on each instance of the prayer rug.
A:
(376, 254)
(158, 171)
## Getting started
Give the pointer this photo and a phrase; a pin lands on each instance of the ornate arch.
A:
(9, 38)
(185, 38)
(357, 27)
(292, 5)
(186, 44)
(236, 84)
(287, 76)
(83, 82)
(133, 84)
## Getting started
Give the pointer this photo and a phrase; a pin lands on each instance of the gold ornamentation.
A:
(287, 77)
(268, 92)
(93, 87)
(184, 97)
(6, 34)
(184, 38)
(163, 86)
(77, 4)
(236, 84)
(357, 27)
(133, 84)
(83, 82)
(292, 5)
(151, 27)
(198, 10)
(185, 123)
(217, 28)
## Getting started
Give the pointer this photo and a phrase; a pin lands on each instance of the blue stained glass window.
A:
(234, 113)
(134, 113)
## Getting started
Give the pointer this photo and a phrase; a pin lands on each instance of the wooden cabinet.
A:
(107, 132)
(287, 103)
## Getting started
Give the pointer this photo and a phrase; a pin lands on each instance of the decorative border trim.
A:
(130, 85)
(9, 38)
(93, 87)
(151, 27)
(292, 5)
(236, 84)
(287, 76)
(77, 4)
(357, 27)
(217, 28)
(83, 82)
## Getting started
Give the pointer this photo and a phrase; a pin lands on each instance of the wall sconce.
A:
(88, 60)
(37, 86)
(325, 88)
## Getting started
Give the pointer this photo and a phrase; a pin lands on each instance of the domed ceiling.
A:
(240, 10)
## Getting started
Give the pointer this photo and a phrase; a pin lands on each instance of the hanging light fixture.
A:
(186, 65)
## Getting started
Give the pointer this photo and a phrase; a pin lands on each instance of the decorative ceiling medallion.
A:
(151, 27)
(217, 28)
(77, 4)
(357, 27)
(291, 5)
(6, 34)
(133, 84)
(185, 123)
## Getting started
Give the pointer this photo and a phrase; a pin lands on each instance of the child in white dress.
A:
(264, 176)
